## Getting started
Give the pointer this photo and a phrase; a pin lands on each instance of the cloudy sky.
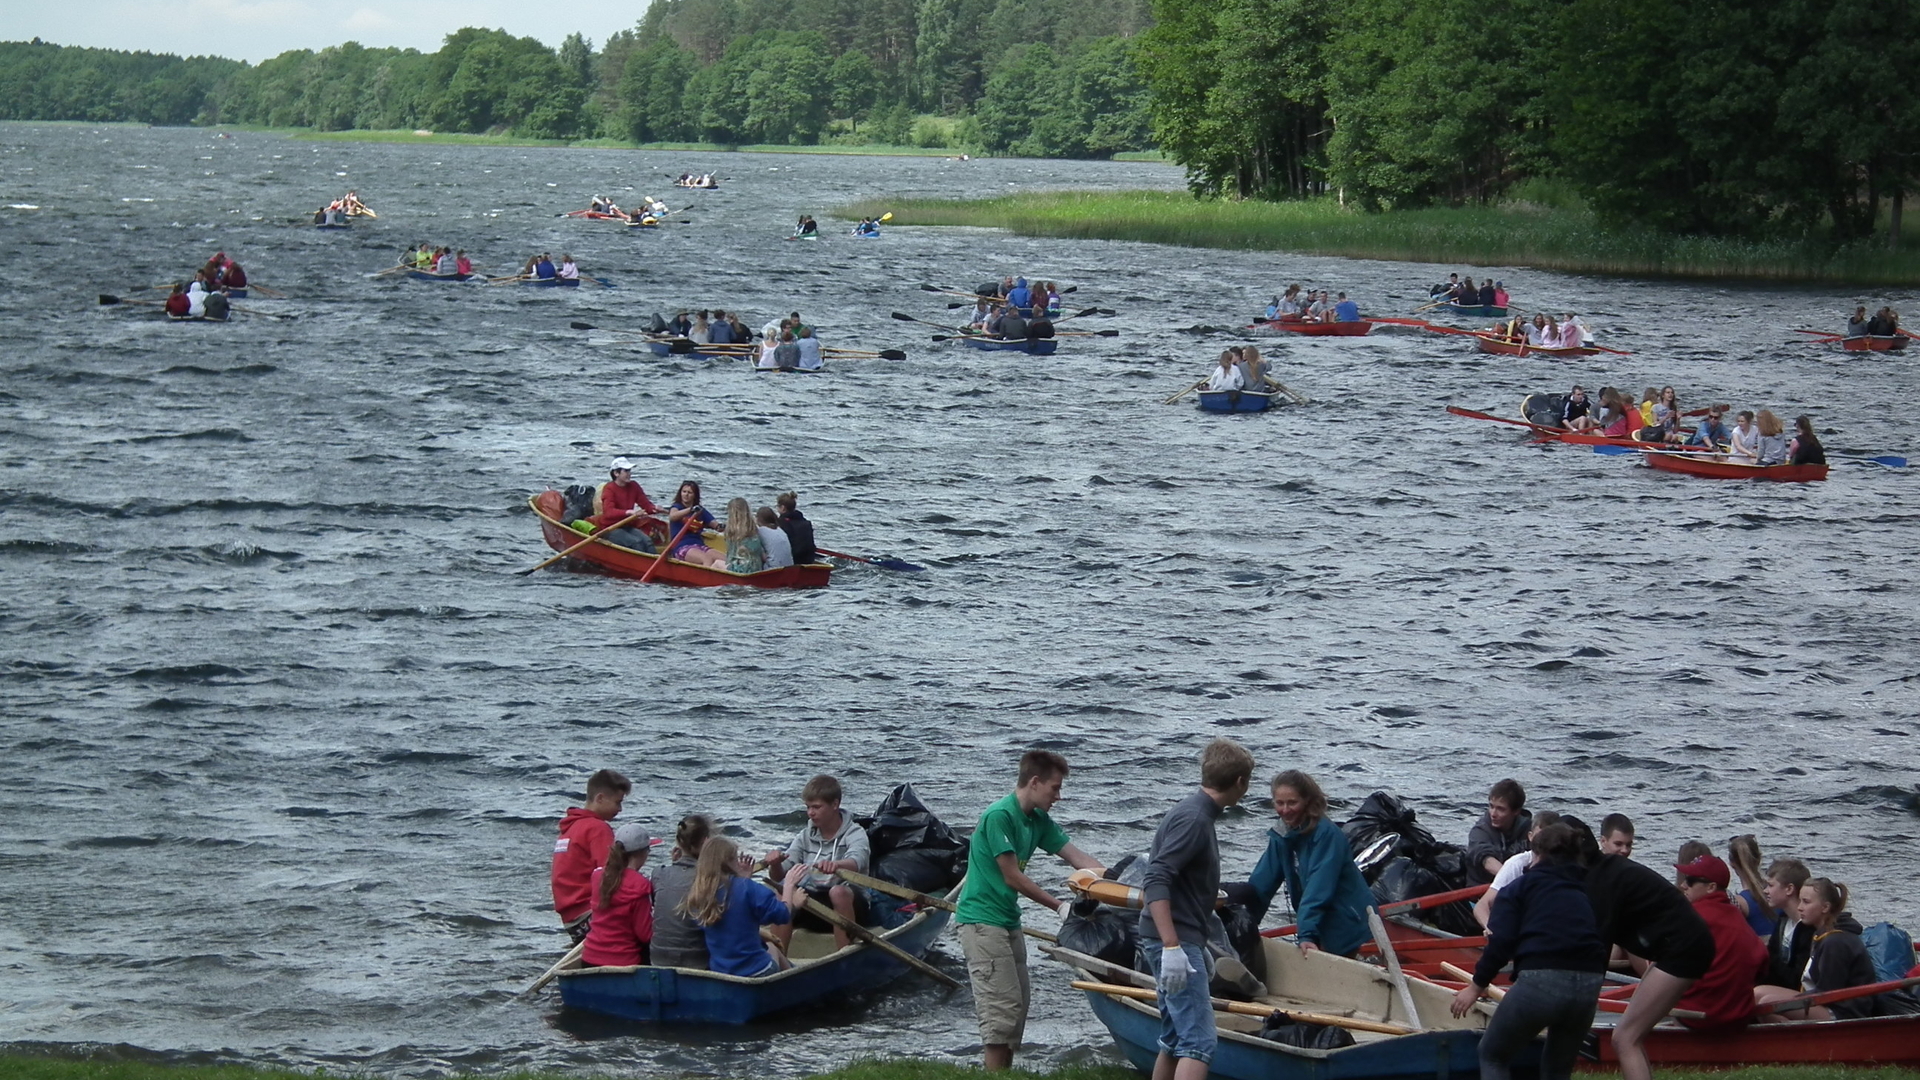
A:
(254, 30)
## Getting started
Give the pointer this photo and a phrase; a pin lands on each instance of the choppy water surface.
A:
(284, 738)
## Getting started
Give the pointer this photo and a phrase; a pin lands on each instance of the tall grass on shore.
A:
(1524, 234)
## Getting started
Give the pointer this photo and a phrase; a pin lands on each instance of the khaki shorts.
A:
(997, 965)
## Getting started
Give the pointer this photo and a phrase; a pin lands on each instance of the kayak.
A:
(628, 563)
(1030, 346)
(594, 215)
(423, 275)
(1235, 400)
(1498, 347)
(866, 236)
(1719, 468)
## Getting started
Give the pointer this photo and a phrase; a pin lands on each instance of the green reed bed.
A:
(1554, 239)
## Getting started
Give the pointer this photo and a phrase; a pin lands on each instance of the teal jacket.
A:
(1330, 898)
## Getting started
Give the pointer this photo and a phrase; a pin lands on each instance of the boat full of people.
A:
(338, 213)
(698, 181)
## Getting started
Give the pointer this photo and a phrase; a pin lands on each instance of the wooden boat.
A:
(1030, 346)
(1874, 343)
(1236, 400)
(687, 347)
(1293, 324)
(426, 275)
(1487, 343)
(820, 974)
(551, 283)
(1477, 311)
(625, 562)
(1717, 467)
(196, 318)
(333, 225)
(1315, 982)
(1546, 433)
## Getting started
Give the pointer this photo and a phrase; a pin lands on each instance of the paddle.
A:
(1398, 977)
(903, 317)
(1831, 996)
(1140, 993)
(257, 311)
(509, 279)
(1187, 391)
(1088, 333)
(862, 934)
(884, 564)
(108, 300)
(553, 972)
(600, 281)
(855, 877)
(598, 537)
(864, 354)
(1822, 333)
(1417, 903)
(390, 270)
(1891, 461)
(271, 294)
(661, 559)
(1298, 399)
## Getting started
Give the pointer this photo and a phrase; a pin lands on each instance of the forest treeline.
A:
(1725, 117)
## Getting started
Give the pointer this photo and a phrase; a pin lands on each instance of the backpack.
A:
(1891, 950)
(578, 502)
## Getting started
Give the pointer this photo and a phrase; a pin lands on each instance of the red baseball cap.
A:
(1706, 868)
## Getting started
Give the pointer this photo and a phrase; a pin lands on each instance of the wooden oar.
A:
(862, 934)
(884, 564)
(510, 279)
(904, 317)
(1139, 993)
(660, 559)
(391, 270)
(1458, 972)
(864, 354)
(854, 877)
(1831, 996)
(1891, 461)
(1298, 399)
(1088, 333)
(1417, 903)
(271, 294)
(1394, 974)
(257, 311)
(1187, 391)
(108, 300)
(597, 537)
(566, 961)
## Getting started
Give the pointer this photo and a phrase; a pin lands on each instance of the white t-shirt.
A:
(1511, 870)
(779, 548)
(1225, 379)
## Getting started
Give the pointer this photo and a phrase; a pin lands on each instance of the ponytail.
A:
(611, 876)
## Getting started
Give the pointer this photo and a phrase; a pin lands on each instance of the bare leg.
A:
(842, 899)
(1163, 1066)
(1189, 1069)
(1650, 1003)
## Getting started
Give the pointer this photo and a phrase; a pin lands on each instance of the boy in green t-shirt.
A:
(988, 914)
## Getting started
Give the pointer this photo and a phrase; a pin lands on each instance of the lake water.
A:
(285, 739)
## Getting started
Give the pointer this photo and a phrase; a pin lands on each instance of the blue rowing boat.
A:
(339, 225)
(1030, 346)
(552, 283)
(820, 975)
(236, 294)
(1235, 400)
(687, 347)
(422, 275)
(1473, 311)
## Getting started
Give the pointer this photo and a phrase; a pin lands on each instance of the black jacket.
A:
(1544, 922)
(800, 534)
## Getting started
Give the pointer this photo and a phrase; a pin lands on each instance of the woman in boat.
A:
(1053, 298)
(1743, 854)
(1771, 447)
(1805, 448)
(1500, 296)
(1311, 856)
(1227, 375)
(462, 264)
(701, 332)
(622, 926)
(1467, 295)
(1253, 370)
(1742, 439)
(1666, 419)
(1545, 924)
(677, 940)
(1618, 418)
(746, 553)
(1648, 400)
(1839, 962)
(1537, 331)
(687, 513)
(731, 907)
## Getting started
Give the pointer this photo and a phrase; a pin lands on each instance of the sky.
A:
(254, 30)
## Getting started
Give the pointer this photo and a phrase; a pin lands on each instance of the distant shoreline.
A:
(415, 138)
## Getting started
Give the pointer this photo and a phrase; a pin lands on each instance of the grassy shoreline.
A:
(23, 1067)
(1514, 235)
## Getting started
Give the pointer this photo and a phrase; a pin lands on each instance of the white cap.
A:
(620, 463)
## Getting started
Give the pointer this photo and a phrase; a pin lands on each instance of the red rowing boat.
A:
(627, 563)
(1719, 468)
(1553, 434)
(594, 215)
(1487, 343)
(1293, 324)
(1873, 344)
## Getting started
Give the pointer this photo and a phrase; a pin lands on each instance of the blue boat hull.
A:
(422, 275)
(236, 294)
(1234, 401)
(553, 283)
(340, 226)
(1031, 346)
(664, 348)
(1475, 311)
(1433, 1055)
(682, 995)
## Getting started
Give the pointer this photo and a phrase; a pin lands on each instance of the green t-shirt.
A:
(987, 899)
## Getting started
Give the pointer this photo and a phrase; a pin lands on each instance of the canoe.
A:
(1874, 344)
(866, 236)
(552, 283)
(1311, 982)
(1317, 329)
(1498, 347)
(1030, 346)
(627, 563)
(1719, 468)
(423, 275)
(1235, 400)
(820, 976)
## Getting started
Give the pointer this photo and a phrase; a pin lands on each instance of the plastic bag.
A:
(1280, 1029)
(1098, 930)
(1404, 879)
(911, 846)
(1890, 948)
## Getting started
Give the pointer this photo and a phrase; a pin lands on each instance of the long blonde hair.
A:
(706, 899)
(741, 525)
(1769, 424)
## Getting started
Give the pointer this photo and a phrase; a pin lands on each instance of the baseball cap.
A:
(620, 463)
(634, 837)
(1706, 868)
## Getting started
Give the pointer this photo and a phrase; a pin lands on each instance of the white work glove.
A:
(1175, 969)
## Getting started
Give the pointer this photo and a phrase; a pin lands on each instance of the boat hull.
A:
(666, 348)
(422, 275)
(1879, 1040)
(627, 563)
(1224, 401)
(1471, 311)
(1520, 348)
(552, 283)
(1031, 346)
(1874, 344)
(1715, 467)
(340, 225)
(684, 995)
(1317, 329)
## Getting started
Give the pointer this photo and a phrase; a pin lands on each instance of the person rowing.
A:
(1227, 376)
(1857, 326)
(1575, 411)
(567, 271)
(867, 227)
(806, 226)
(1320, 308)
(1253, 369)
(1345, 310)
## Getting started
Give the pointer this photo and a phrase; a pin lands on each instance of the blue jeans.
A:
(1186, 1018)
(1562, 1002)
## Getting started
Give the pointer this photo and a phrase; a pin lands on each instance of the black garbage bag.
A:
(1242, 929)
(1098, 930)
(911, 846)
(1281, 1029)
(578, 502)
(1404, 879)
(1386, 815)
(656, 324)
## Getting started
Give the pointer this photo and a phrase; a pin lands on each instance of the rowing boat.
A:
(1235, 400)
(1498, 347)
(1719, 468)
(594, 215)
(628, 563)
(1548, 433)
(1480, 311)
(196, 318)
(425, 275)
(333, 225)
(821, 975)
(689, 347)
(552, 283)
(1030, 346)
(1874, 343)
(1297, 325)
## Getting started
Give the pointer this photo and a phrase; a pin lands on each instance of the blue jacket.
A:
(1543, 921)
(1330, 898)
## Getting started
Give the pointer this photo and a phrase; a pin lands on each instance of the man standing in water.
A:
(988, 914)
(1183, 877)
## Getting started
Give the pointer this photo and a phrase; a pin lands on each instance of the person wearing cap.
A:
(622, 928)
(618, 499)
(1725, 992)
(1637, 909)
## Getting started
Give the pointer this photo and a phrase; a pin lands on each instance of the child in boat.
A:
(731, 908)
(831, 841)
(1839, 962)
(677, 940)
(622, 929)
(746, 553)
(585, 839)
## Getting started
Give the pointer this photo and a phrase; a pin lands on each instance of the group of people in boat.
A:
(1014, 309)
(205, 296)
(867, 227)
(541, 267)
(766, 539)
(1241, 368)
(339, 210)
(439, 261)
(789, 345)
(1754, 439)
(1294, 305)
(649, 212)
(1882, 323)
(806, 226)
(700, 180)
(1543, 331)
(1462, 293)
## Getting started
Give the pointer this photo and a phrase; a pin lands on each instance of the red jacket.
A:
(623, 928)
(1725, 992)
(619, 500)
(178, 304)
(581, 849)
